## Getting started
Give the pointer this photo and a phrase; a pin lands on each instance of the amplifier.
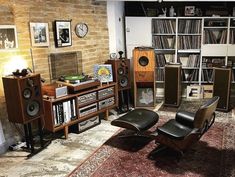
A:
(87, 98)
(89, 123)
(105, 92)
(54, 90)
(105, 103)
(87, 110)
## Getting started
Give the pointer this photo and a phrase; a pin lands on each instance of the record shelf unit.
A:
(198, 43)
(78, 108)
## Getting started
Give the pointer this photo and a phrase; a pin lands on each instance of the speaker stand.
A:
(29, 139)
(123, 105)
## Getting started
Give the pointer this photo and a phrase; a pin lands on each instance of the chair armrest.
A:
(185, 118)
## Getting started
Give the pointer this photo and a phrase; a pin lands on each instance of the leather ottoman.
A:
(138, 120)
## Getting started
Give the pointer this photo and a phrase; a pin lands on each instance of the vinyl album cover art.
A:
(103, 73)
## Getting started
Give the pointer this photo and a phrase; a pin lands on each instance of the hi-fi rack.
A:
(82, 108)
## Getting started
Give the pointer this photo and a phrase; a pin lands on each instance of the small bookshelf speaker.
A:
(121, 73)
(23, 98)
(222, 86)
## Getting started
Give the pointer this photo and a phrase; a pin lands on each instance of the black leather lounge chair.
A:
(187, 128)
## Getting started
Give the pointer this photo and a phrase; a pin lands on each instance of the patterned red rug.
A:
(212, 156)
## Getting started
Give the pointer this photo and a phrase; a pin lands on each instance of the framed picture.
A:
(145, 97)
(194, 92)
(8, 37)
(189, 11)
(39, 34)
(103, 73)
(63, 33)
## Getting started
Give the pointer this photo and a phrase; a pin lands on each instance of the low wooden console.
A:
(75, 108)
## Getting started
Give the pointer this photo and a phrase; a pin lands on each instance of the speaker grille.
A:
(221, 87)
(172, 85)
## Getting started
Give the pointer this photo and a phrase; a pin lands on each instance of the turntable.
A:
(77, 83)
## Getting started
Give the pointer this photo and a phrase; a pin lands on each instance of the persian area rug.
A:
(213, 155)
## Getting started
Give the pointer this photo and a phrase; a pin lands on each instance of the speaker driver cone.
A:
(123, 81)
(143, 61)
(120, 71)
(32, 108)
(27, 93)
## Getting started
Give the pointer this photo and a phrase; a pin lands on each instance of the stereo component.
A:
(87, 110)
(87, 98)
(144, 77)
(172, 85)
(54, 90)
(106, 103)
(23, 98)
(121, 73)
(105, 92)
(144, 64)
(89, 123)
(222, 87)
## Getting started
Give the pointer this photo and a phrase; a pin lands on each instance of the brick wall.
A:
(93, 48)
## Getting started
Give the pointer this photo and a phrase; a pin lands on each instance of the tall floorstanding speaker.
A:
(221, 87)
(144, 77)
(121, 73)
(172, 85)
(23, 98)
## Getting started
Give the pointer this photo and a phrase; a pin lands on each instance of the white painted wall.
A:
(115, 13)
(138, 33)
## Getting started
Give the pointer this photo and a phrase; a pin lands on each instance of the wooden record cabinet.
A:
(79, 107)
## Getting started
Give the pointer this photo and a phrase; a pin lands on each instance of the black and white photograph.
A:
(189, 11)
(39, 34)
(63, 33)
(8, 37)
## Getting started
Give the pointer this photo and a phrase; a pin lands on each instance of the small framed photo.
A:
(8, 37)
(103, 73)
(189, 11)
(194, 92)
(39, 34)
(63, 33)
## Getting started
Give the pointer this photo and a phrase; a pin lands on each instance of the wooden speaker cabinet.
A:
(144, 64)
(172, 85)
(121, 73)
(144, 77)
(23, 98)
(222, 86)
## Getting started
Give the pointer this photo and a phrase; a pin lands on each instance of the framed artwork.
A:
(8, 37)
(63, 33)
(189, 11)
(103, 73)
(145, 97)
(194, 92)
(39, 34)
